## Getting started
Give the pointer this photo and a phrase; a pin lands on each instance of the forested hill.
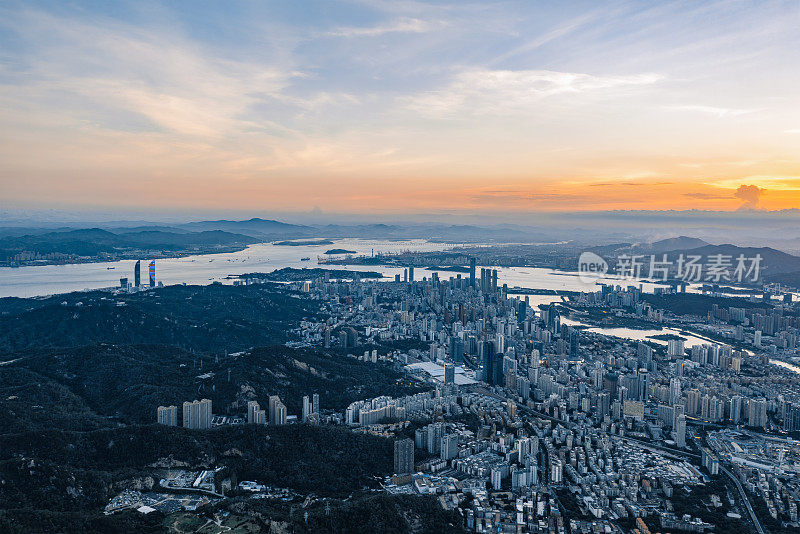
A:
(128, 382)
(211, 318)
(82, 374)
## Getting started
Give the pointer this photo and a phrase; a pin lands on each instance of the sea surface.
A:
(40, 280)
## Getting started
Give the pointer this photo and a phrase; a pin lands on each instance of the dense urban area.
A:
(323, 400)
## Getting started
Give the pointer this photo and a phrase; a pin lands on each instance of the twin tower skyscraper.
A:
(137, 273)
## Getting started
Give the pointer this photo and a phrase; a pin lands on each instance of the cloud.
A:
(793, 131)
(708, 196)
(403, 25)
(498, 91)
(750, 194)
(717, 111)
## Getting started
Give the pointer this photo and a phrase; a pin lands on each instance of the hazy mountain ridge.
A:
(94, 241)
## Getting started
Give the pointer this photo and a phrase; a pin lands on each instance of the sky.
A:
(372, 106)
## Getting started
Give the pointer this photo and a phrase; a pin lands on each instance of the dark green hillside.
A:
(53, 474)
(130, 381)
(200, 318)
(31, 401)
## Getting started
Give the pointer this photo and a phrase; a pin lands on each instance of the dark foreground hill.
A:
(199, 318)
(51, 478)
(91, 387)
(81, 376)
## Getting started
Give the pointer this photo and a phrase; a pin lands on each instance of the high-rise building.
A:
(449, 374)
(153, 273)
(498, 378)
(315, 403)
(610, 383)
(404, 456)
(277, 411)
(603, 404)
(556, 471)
(677, 411)
(680, 431)
(435, 432)
(735, 409)
(456, 349)
(488, 353)
(307, 408)
(472, 272)
(167, 415)
(197, 414)
(674, 390)
(644, 385)
(693, 402)
(449, 447)
(260, 417)
(252, 408)
(757, 413)
(675, 348)
(137, 273)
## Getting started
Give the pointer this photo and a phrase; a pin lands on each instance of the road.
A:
(745, 499)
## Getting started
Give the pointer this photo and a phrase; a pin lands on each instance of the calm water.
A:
(641, 335)
(786, 365)
(204, 269)
(264, 257)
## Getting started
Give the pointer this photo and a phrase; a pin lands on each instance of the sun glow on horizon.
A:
(376, 106)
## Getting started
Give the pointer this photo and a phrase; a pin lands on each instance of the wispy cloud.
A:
(496, 91)
(403, 25)
(717, 111)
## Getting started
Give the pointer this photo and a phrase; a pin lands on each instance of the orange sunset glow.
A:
(402, 107)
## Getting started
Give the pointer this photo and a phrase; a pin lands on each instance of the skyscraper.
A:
(674, 390)
(472, 272)
(404, 456)
(488, 352)
(307, 408)
(137, 273)
(643, 385)
(498, 378)
(153, 273)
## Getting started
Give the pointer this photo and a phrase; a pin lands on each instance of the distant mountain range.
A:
(94, 241)
(776, 266)
(255, 227)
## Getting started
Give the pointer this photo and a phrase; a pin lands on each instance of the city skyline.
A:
(371, 107)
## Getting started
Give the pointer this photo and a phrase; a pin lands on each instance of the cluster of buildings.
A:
(197, 415)
(126, 285)
(529, 402)
(535, 423)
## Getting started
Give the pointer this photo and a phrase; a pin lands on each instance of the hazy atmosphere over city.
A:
(399, 267)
